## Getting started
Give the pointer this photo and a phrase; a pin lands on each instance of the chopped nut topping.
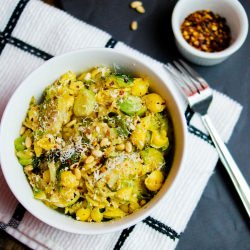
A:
(22, 130)
(128, 147)
(138, 6)
(140, 9)
(28, 142)
(71, 123)
(120, 147)
(77, 173)
(135, 4)
(134, 25)
(28, 168)
(105, 142)
(97, 153)
(89, 159)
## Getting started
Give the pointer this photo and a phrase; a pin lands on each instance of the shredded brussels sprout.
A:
(96, 146)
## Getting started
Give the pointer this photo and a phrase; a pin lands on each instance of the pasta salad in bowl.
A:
(99, 141)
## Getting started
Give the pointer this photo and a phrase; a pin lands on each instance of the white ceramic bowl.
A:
(236, 18)
(34, 85)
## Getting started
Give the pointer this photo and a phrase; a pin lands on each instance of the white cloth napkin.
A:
(32, 32)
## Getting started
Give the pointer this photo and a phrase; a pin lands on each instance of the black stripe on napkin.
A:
(123, 236)
(199, 133)
(189, 114)
(161, 228)
(154, 224)
(23, 46)
(3, 226)
(14, 17)
(2, 42)
(12, 23)
(111, 43)
(28, 48)
(5, 36)
(15, 219)
(193, 130)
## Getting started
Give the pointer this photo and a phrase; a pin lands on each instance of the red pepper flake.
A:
(206, 31)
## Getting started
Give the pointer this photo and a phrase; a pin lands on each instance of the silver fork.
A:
(199, 96)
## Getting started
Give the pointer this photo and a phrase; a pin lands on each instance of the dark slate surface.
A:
(219, 221)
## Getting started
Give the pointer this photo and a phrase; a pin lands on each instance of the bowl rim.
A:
(149, 209)
(215, 55)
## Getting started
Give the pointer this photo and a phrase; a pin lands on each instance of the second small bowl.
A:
(236, 18)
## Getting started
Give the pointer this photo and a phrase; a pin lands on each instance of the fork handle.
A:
(229, 163)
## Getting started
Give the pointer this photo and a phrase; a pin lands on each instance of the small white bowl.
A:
(15, 112)
(236, 18)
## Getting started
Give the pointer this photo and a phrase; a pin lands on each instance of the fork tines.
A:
(189, 80)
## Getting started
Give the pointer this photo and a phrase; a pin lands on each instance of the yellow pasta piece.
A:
(47, 142)
(76, 86)
(133, 206)
(124, 208)
(154, 102)
(83, 214)
(159, 139)
(46, 176)
(96, 215)
(93, 202)
(113, 213)
(67, 77)
(139, 136)
(154, 181)
(124, 193)
(140, 87)
(68, 179)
